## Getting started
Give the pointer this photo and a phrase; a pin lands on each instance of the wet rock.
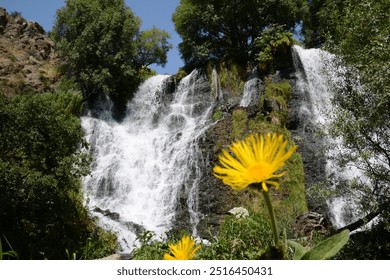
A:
(134, 227)
(112, 215)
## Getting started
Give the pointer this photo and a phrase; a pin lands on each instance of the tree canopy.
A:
(217, 29)
(102, 47)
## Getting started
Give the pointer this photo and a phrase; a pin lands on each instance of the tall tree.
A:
(102, 47)
(321, 20)
(227, 29)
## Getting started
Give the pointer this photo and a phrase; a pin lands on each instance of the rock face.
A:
(27, 58)
(216, 199)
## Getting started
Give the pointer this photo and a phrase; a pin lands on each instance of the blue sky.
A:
(152, 12)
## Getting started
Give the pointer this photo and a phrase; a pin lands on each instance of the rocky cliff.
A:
(267, 112)
(27, 57)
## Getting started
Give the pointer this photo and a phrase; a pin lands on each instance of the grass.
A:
(239, 239)
(231, 76)
(239, 124)
(7, 254)
(218, 115)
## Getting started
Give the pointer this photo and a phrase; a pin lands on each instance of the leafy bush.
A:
(239, 239)
(41, 206)
(150, 249)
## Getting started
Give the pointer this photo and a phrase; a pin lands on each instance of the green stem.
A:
(272, 216)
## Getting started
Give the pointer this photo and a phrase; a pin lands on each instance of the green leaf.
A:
(328, 248)
(299, 250)
(12, 254)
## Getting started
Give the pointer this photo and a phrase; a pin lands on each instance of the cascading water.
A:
(316, 77)
(145, 163)
(251, 89)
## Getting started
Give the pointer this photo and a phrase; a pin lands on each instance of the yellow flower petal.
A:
(256, 159)
(183, 250)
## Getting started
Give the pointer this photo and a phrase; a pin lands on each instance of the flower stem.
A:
(272, 216)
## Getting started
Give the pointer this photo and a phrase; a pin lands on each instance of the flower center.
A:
(260, 171)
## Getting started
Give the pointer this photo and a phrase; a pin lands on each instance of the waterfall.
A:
(251, 89)
(144, 165)
(318, 74)
(216, 84)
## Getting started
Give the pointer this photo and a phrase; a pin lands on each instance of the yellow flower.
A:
(255, 161)
(183, 250)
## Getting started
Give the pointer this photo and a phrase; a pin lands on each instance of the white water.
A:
(319, 77)
(251, 90)
(216, 84)
(146, 162)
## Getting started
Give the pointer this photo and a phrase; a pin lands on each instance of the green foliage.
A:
(150, 249)
(102, 48)
(181, 73)
(99, 244)
(245, 238)
(372, 244)
(232, 77)
(320, 20)
(299, 250)
(217, 115)
(358, 32)
(293, 202)
(153, 47)
(10, 253)
(242, 238)
(324, 250)
(41, 209)
(271, 43)
(279, 93)
(215, 30)
(239, 239)
(239, 120)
